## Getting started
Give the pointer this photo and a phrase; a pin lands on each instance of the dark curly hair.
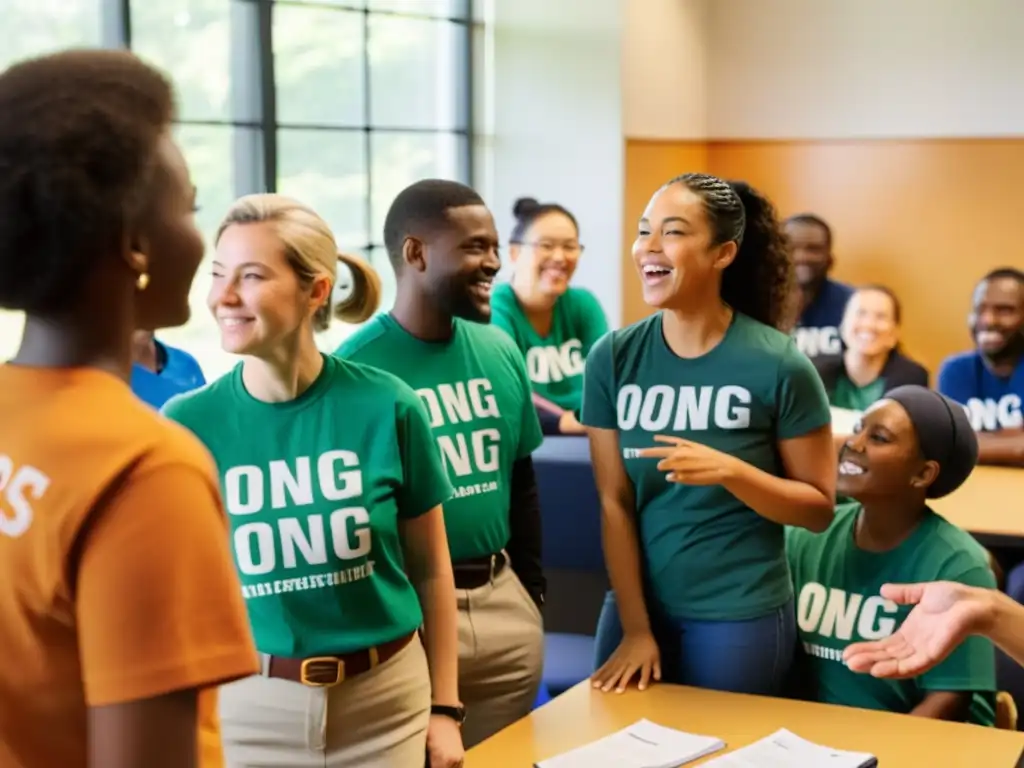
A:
(759, 281)
(79, 132)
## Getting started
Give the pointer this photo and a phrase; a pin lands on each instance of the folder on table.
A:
(642, 745)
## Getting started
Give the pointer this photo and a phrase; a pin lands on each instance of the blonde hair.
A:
(311, 250)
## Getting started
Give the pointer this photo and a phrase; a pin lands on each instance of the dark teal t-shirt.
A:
(838, 603)
(707, 555)
(315, 489)
(554, 362)
(478, 399)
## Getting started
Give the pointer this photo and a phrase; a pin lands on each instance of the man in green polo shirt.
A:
(472, 379)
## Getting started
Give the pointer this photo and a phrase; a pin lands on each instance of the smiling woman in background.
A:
(871, 362)
(553, 325)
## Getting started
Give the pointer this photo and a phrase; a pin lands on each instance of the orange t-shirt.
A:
(116, 579)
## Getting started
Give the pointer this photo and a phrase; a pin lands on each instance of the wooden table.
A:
(581, 715)
(990, 504)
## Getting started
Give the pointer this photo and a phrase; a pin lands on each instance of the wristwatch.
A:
(456, 713)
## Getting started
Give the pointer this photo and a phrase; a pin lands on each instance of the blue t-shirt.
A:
(181, 373)
(993, 403)
(817, 330)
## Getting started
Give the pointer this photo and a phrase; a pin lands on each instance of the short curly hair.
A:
(79, 132)
(759, 282)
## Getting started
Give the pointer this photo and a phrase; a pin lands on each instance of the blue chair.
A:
(573, 559)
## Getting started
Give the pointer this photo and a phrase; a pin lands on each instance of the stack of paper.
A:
(642, 745)
(784, 749)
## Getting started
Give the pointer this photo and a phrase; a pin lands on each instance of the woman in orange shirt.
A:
(118, 599)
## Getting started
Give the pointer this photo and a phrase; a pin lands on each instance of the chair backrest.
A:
(569, 505)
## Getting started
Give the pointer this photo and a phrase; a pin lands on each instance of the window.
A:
(338, 103)
(29, 28)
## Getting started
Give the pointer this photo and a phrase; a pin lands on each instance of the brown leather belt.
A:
(472, 574)
(325, 671)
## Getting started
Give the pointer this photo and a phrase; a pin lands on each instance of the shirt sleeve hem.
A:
(225, 667)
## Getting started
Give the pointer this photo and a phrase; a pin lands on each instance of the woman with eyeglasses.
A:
(553, 324)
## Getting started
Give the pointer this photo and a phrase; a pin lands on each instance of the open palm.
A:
(944, 614)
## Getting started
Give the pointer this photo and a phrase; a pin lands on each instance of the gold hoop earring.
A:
(142, 281)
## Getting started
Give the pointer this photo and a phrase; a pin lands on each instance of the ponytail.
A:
(365, 295)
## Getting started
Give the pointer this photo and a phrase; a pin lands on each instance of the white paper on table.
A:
(642, 745)
(784, 749)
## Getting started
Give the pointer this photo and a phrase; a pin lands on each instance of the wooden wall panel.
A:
(926, 217)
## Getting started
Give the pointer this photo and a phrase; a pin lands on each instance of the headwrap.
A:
(944, 433)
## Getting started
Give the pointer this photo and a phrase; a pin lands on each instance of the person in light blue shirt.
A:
(822, 300)
(160, 371)
(989, 380)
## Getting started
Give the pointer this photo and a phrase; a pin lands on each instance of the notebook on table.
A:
(784, 749)
(642, 745)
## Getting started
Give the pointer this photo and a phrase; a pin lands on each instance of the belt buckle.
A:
(322, 671)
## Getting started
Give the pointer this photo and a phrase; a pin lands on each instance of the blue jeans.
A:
(752, 656)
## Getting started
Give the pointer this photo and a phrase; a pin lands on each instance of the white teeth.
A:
(233, 321)
(656, 269)
(849, 468)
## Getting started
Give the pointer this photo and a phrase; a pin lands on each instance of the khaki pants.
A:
(374, 720)
(501, 655)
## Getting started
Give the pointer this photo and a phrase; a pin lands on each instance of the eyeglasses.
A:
(548, 247)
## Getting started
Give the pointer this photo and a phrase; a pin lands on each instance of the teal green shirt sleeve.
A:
(591, 319)
(425, 483)
(599, 407)
(802, 401)
(972, 666)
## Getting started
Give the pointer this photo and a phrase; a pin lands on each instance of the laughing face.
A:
(883, 458)
(461, 261)
(870, 326)
(674, 251)
(812, 252)
(997, 316)
(547, 258)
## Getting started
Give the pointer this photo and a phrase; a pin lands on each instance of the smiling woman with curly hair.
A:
(693, 527)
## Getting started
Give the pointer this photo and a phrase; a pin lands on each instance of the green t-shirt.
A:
(315, 489)
(707, 555)
(554, 362)
(852, 397)
(477, 396)
(838, 603)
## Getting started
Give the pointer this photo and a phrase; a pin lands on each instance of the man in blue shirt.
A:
(822, 301)
(161, 371)
(989, 380)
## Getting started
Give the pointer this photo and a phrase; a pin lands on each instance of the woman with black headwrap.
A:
(911, 446)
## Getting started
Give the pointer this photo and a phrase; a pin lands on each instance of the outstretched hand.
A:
(691, 463)
(944, 614)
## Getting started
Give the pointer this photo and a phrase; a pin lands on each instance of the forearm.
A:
(622, 556)
(944, 705)
(525, 539)
(441, 635)
(1004, 624)
(779, 499)
(1003, 448)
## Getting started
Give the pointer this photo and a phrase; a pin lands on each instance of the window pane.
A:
(326, 170)
(210, 151)
(32, 27)
(399, 159)
(417, 73)
(449, 9)
(318, 66)
(191, 40)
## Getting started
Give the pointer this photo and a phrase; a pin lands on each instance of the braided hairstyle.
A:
(759, 281)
